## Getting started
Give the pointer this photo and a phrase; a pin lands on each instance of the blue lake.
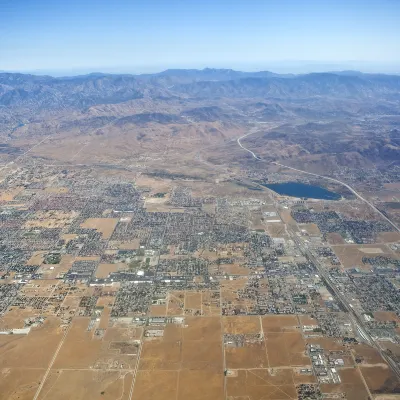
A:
(296, 189)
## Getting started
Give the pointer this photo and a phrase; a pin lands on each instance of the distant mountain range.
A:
(323, 120)
(79, 92)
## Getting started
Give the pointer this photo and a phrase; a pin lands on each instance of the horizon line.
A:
(87, 72)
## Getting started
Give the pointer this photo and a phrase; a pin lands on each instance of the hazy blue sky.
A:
(137, 36)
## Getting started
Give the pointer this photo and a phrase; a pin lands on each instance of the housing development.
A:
(154, 288)
(200, 235)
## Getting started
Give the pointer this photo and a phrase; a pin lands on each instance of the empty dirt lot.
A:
(251, 355)
(81, 385)
(19, 383)
(261, 384)
(351, 255)
(241, 324)
(380, 379)
(34, 350)
(105, 226)
(286, 349)
(279, 323)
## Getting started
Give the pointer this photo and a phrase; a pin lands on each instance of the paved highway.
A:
(348, 187)
(254, 130)
(358, 322)
(251, 132)
(356, 319)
